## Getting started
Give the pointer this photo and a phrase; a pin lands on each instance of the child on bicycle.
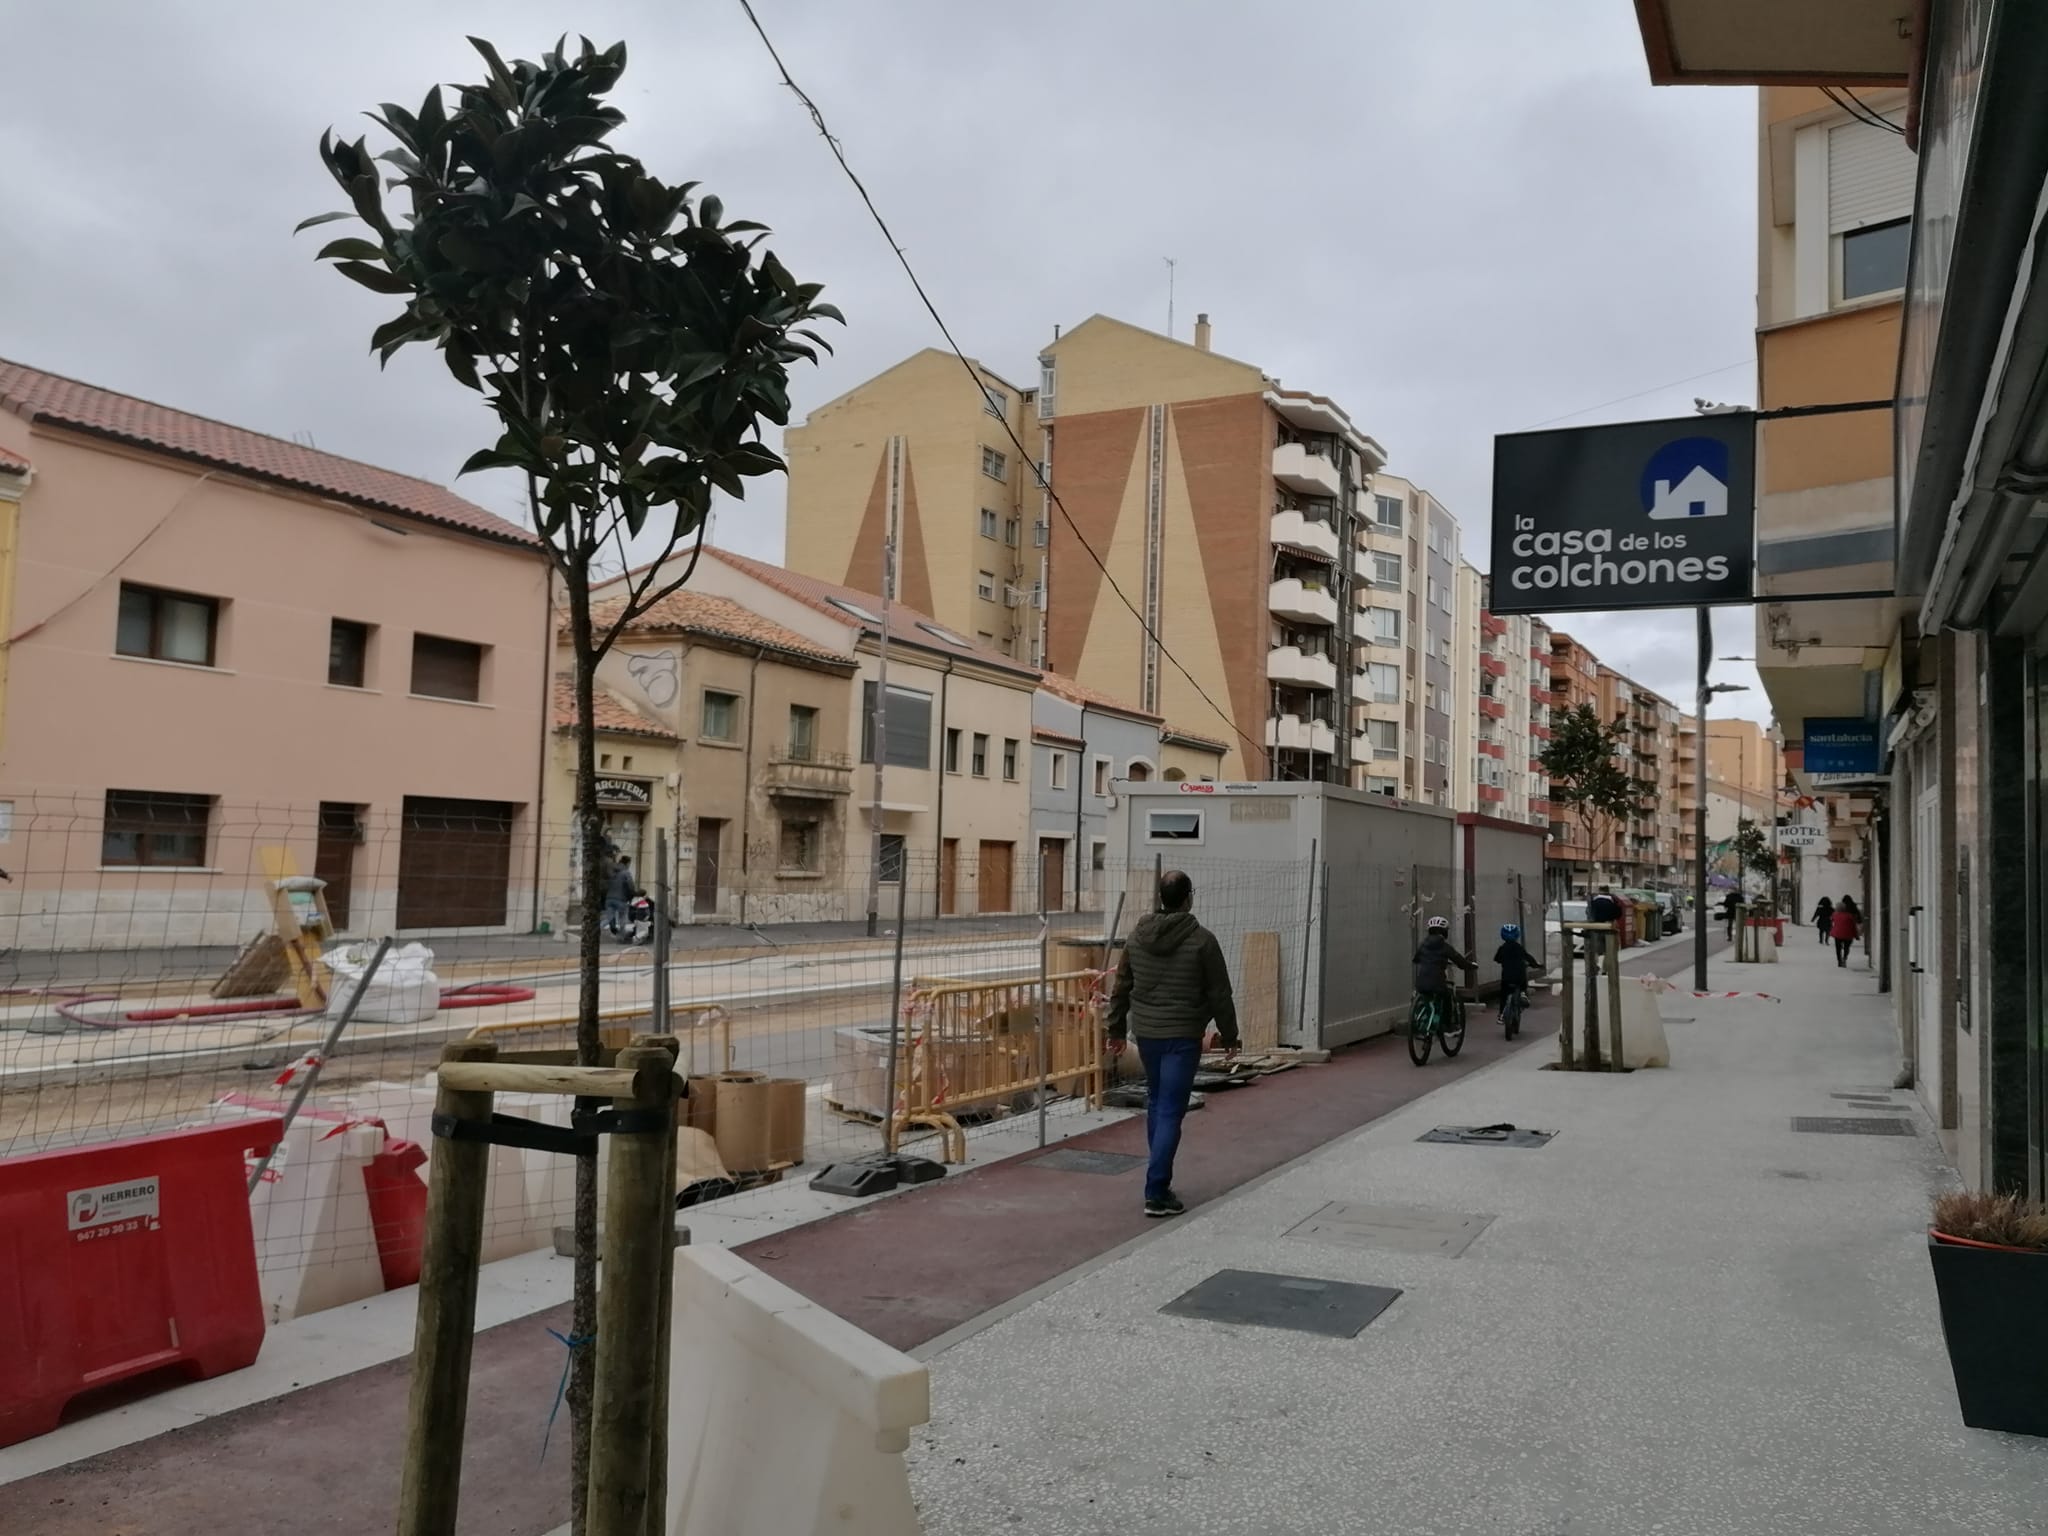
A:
(1435, 957)
(1515, 964)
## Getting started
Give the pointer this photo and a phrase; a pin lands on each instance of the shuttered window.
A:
(447, 669)
(1870, 177)
(909, 727)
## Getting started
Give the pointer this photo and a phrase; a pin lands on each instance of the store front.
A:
(623, 806)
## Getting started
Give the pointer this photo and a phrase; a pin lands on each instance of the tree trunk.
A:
(589, 831)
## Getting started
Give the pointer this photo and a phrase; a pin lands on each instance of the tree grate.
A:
(1851, 1125)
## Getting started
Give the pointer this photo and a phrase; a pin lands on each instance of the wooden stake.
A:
(657, 1438)
(1614, 1063)
(638, 1239)
(431, 1479)
(1567, 1047)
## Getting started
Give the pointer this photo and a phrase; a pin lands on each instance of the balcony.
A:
(1492, 666)
(1295, 668)
(1364, 567)
(1291, 733)
(1306, 602)
(1536, 765)
(1493, 709)
(1310, 473)
(1491, 794)
(1542, 696)
(1494, 749)
(1540, 732)
(1363, 750)
(1306, 533)
(1492, 627)
(1540, 656)
(1363, 690)
(806, 775)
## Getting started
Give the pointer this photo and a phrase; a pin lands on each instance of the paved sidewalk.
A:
(1684, 1317)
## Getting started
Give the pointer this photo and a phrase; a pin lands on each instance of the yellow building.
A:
(1223, 507)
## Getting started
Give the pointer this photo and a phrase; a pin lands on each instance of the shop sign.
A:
(631, 792)
(1839, 745)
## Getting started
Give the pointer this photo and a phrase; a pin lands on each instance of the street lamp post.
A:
(1699, 790)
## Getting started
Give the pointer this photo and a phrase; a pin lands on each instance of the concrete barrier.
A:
(784, 1420)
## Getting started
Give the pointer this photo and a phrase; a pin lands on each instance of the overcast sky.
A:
(1457, 219)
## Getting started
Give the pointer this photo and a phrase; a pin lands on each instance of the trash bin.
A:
(1649, 922)
(126, 1258)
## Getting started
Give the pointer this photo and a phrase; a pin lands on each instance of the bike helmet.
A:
(1439, 925)
(1511, 932)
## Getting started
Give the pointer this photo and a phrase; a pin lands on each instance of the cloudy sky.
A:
(1458, 219)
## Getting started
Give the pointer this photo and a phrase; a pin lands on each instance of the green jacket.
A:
(1171, 982)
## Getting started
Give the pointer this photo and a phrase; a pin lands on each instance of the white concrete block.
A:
(764, 1379)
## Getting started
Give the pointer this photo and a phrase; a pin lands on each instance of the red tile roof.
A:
(1190, 739)
(612, 715)
(719, 618)
(36, 396)
(13, 463)
(1055, 738)
(1080, 693)
(906, 625)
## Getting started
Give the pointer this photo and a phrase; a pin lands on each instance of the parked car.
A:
(1555, 916)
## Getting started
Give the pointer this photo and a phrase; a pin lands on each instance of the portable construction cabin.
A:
(1317, 893)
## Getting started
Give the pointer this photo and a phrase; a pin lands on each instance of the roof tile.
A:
(1075, 692)
(718, 618)
(612, 715)
(13, 463)
(36, 396)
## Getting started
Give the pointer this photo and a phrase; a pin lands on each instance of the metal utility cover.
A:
(1337, 1309)
(1868, 1100)
(1086, 1160)
(1400, 1228)
(1849, 1125)
(1488, 1136)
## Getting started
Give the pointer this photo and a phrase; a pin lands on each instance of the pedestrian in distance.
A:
(1171, 985)
(1603, 908)
(619, 892)
(1846, 926)
(1730, 905)
(1824, 919)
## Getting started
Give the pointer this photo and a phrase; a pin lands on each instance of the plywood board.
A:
(1258, 991)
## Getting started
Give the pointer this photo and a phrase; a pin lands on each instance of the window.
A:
(1102, 778)
(988, 523)
(1173, 826)
(979, 763)
(892, 858)
(1383, 625)
(1385, 736)
(1874, 258)
(146, 830)
(799, 852)
(721, 716)
(909, 727)
(1431, 595)
(1048, 377)
(1384, 679)
(447, 669)
(1010, 758)
(1386, 570)
(803, 733)
(952, 749)
(1139, 771)
(995, 465)
(1040, 533)
(995, 401)
(348, 653)
(1098, 855)
(985, 586)
(1056, 771)
(1013, 529)
(853, 608)
(1389, 787)
(166, 626)
(1387, 511)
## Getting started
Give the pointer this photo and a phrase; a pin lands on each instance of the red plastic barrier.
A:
(398, 1210)
(123, 1258)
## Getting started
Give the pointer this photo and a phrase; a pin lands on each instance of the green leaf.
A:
(322, 218)
(353, 249)
(376, 279)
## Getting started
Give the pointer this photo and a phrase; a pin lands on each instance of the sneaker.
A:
(1167, 1205)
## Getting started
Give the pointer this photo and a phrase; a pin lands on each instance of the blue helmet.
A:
(1512, 932)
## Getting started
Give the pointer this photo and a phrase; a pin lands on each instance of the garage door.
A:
(454, 862)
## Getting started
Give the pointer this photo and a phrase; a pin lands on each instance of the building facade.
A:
(1083, 742)
(230, 654)
(1222, 508)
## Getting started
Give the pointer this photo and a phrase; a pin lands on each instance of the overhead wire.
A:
(1655, 389)
(1859, 109)
(839, 154)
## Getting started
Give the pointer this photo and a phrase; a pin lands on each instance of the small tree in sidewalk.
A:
(1586, 776)
(1753, 855)
(630, 340)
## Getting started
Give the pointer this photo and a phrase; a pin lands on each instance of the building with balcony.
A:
(1903, 261)
(1408, 622)
(1224, 506)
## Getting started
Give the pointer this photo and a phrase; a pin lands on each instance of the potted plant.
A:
(1990, 1257)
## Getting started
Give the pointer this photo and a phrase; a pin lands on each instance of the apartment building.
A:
(729, 730)
(1408, 623)
(1223, 505)
(1503, 698)
(228, 653)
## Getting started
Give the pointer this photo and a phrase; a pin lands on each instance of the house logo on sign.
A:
(1685, 479)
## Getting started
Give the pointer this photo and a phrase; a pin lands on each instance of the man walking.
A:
(618, 897)
(1170, 984)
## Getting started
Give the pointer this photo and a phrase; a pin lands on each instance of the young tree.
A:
(1753, 854)
(1585, 775)
(630, 340)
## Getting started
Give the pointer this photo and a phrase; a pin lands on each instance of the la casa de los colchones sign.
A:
(1645, 514)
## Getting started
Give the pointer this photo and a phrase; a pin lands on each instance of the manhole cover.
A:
(1488, 1135)
(1403, 1229)
(1851, 1125)
(1083, 1160)
(1336, 1308)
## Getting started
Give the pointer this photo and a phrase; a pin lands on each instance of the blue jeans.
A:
(615, 914)
(1169, 1079)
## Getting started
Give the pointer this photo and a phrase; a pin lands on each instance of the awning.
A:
(1777, 42)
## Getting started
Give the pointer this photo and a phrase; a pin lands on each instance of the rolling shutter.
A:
(1870, 177)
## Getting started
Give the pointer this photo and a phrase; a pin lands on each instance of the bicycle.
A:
(1432, 1017)
(1512, 1003)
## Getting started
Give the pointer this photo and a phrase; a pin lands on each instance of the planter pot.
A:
(1994, 1318)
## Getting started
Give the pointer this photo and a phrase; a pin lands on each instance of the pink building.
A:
(219, 643)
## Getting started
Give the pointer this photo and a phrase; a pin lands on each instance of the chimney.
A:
(1202, 332)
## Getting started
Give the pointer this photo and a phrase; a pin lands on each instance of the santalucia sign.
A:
(1647, 514)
